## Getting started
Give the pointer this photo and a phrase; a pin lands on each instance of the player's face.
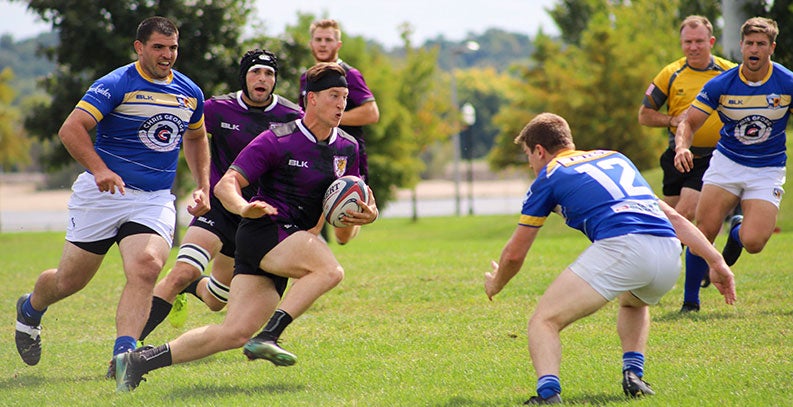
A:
(158, 54)
(260, 82)
(324, 45)
(696, 44)
(535, 160)
(757, 49)
(330, 105)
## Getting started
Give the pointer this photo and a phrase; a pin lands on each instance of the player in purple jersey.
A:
(142, 112)
(634, 255)
(325, 43)
(292, 166)
(232, 120)
(748, 167)
(361, 105)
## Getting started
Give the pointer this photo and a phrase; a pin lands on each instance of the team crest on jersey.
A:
(773, 100)
(778, 193)
(753, 129)
(339, 165)
(162, 132)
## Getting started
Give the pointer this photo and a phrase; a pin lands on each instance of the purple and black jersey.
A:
(233, 125)
(292, 169)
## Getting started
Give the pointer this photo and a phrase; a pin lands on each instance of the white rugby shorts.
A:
(95, 215)
(764, 183)
(648, 266)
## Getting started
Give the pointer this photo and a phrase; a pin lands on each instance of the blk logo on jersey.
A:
(298, 163)
(162, 132)
(229, 126)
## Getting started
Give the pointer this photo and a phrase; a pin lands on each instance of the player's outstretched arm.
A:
(720, 274)
(511, 260)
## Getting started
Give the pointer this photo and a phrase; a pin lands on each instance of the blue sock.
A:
(633, 361)
(31, 315)
(735, 235)
(548, 385)
(123, 344)
(696, 267)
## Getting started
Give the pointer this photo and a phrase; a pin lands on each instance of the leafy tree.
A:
(598, 85)
(780, 11)
(96, 37)
(13, 144)
(485, 89)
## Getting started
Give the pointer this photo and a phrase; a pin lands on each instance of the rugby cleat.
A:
(689, 307)
(537, 400)
(178, 315)
(111, 369)
(27, 336)
(129, 372)
(634, 386)
(257, 348)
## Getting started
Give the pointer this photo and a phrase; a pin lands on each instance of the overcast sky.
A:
(372, 19)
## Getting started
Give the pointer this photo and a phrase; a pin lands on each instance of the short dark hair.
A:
(323, 74)
(760, 25)
(154, 24)
(549, 130)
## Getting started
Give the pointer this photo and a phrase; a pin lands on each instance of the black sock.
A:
(156, 358)
(278, 322)
(193, 287)
(159, 311)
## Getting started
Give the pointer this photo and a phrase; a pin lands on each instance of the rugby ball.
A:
(341, 196)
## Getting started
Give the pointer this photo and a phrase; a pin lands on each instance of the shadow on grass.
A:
(30, 379)
(590, 400)
(695, 316)
(203, 392)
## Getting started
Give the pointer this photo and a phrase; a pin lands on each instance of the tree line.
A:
(594, 73)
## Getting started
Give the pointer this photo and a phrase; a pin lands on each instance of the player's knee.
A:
(219, 294)
(182, 275)
(754, 245)
(334, 275)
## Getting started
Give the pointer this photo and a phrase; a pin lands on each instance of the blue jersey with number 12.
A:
(599, 192)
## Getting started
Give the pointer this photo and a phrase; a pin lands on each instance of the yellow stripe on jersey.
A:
(572, 157)
(534, 221)
(90, 109)
(736, 107)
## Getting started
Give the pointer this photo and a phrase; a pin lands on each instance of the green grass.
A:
(411, 326)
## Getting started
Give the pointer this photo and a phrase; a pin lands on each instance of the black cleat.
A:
(689, 307)
(705, 279)
(537, 400)
(269, 350)
(129, 372)
(111, 369)
(634, 386)
(27, 336)
(732, 249)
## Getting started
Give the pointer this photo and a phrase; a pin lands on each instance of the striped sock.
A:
(124, 344)
(548, 385)
(633, 361)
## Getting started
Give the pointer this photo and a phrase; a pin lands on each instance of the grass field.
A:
(410, 326)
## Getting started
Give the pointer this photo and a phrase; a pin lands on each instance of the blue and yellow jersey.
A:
(140, 123)
(677, 85)
(599, 192)
(754, 115)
